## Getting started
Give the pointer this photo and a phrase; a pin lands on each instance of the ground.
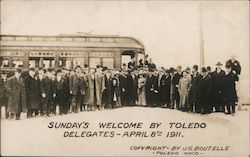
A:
(227, 135)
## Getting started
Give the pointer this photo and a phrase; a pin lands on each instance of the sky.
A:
(169, 30)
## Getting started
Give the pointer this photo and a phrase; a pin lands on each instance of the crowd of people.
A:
(80, 89)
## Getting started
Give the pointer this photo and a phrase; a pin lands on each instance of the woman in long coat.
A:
(184, 85)
(17, 95)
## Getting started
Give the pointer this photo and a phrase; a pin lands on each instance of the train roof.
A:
(72, 40)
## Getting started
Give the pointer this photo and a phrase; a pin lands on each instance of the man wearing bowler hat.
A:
(217, 88)
(204, 92)
(33, 93)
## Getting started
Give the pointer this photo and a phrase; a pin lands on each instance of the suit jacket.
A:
(60, 85)
(195, 79)
(33, 92)
(164, 88)
(123, 83)
(217, 86)
(47, 87)
(175, 82)
(107, 94)
(229, 89)
(204, 90)
(151, 84)
(76, 83)
(132, 86)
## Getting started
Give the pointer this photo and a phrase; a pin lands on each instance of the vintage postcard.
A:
(124, 78)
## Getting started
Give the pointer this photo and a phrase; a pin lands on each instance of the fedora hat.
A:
(218, 63)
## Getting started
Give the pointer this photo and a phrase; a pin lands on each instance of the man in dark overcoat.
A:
(217, 88)
(106, 95)
(204, 92)
(195, 78)
(67, 96)
(175, 83)
(77, 89)
(47, 87)
(132, 86)
(17, 95)
(229, 90)
(123, 83)
(164, 88)
(151, 89)
(60, 90)
(33, 93)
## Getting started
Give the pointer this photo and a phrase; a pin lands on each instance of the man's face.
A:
(49, 74)
(92, 71)
(59, 75)
(108, 74)
(150, 73)
(40, 72)
(4, 75)
(32, 73)
(78, 70)
(218, 66)
(228, 70)
(184, 74)
(17, 74)
(203, 74)
(179, 69)
(193, 70)
(136, 72)
(233, 58)
(99, 70)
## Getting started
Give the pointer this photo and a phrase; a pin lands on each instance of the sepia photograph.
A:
(125, 78)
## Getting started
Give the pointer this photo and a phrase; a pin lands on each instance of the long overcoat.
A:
(33, 92)
(17, 95)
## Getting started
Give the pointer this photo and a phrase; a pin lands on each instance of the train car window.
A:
(5, 62)
(48, 63)
(33, 62)
(93, 62)
(108, 62)
(78, 61)
(17, 63)
(65, 62)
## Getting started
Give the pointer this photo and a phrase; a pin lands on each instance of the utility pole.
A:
(201, 38)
